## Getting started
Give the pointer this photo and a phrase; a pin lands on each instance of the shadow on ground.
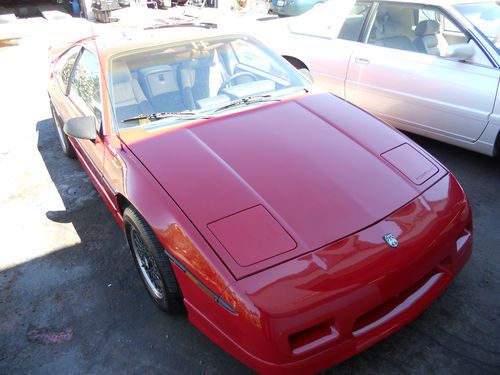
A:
(82, 308)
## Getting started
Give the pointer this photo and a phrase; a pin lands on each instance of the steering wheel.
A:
(228, 80)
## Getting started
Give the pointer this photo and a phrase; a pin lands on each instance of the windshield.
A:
(486, 18)
(196, 78)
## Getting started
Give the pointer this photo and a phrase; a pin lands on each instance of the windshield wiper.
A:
(248, 100)
(162, 115)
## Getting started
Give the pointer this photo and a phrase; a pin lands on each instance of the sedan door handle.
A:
(361, 60)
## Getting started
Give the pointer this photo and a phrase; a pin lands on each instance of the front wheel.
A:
(152, 263)
(66, 145)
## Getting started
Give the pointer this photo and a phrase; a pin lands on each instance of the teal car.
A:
(291, 7)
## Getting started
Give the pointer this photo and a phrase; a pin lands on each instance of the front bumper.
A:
(314, 311)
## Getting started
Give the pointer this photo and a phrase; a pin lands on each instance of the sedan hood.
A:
(283, 179)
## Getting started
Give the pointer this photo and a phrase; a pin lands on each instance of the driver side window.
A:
(420, 28)
(85, 87)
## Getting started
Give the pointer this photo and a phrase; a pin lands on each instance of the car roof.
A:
(117, 41)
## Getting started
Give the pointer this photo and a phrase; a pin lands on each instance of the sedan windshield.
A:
(197, 79)
(486, 18)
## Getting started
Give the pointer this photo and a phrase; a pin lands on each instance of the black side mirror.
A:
(81, 127)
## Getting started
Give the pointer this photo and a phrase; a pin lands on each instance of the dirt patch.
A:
(48, 336)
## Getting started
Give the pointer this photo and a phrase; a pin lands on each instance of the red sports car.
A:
(295, 229)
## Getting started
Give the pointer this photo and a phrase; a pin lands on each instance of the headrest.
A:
(387, 27)
(199, 62)
(121, 73)
(157, 69)
(427, 27)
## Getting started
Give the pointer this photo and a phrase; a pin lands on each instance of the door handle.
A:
(361, 60)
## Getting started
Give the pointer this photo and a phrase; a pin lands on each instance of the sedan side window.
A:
(419, 28)
(394, 26)
(353, 24)
(85, 89)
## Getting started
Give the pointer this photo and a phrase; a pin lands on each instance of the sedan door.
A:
(330, 40)
(403, 75)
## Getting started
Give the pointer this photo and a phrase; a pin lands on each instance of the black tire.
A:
(154, 267)
(66, 145)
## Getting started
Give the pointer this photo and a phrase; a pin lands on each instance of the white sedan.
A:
(430, 68)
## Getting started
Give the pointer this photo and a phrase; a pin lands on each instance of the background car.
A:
(431, 67)
(159, 4)
(291, 7)
(294, 228)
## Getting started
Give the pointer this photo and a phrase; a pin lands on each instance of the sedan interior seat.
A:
(429, 38)
(127, 94)
(391, 33)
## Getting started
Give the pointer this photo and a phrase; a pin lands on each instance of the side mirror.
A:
(81, 127)
(461, 52)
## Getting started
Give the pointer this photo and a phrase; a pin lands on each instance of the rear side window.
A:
(353, 24)
(64, 66)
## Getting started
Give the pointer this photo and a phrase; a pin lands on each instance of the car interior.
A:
(187, 78)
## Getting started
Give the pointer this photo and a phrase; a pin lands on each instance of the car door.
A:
(327, 40)
(59, 82)
(421, 90)
(84, 99)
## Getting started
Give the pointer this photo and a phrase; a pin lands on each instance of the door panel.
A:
(413, 85)
(330, 58)
(84, 99)
(422, 92)
(330, 69)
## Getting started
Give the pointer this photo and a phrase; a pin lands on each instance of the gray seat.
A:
(195, 80)
(390, 33)
(429, 38)
(129, 99)
(161, 87)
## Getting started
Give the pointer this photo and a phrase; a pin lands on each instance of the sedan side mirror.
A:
(461, 52)
(81, 127)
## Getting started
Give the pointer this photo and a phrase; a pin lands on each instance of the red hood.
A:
(275, 182)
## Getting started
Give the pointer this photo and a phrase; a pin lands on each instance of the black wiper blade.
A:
(162, 115)
(248, 100)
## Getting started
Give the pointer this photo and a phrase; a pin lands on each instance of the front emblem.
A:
(391, 240)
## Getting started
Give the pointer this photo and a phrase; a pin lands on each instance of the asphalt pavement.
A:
(71, 301)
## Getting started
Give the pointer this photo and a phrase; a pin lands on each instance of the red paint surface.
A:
(313, 163)
(251, 236)
(317, 181)
(411, 163)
